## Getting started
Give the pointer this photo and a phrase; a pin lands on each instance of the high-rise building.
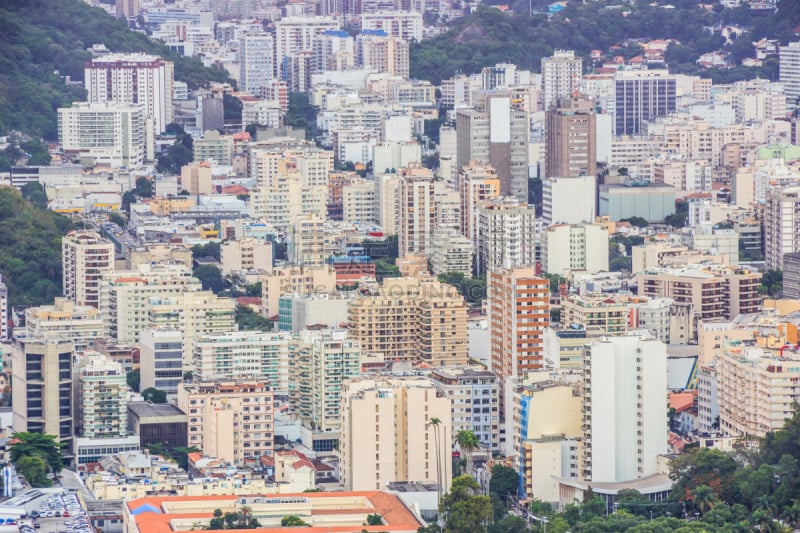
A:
(781, 224)
(570, 143)
(81, 324)
(506, 229)
(229, 420)
(306, 241)
(624, 407)
(641, 96)
(108, 133)
(375, 50)
(412, 318)
(42, 393)
(322, 360)
(3, 311)
(569, 200)
(334, 50)
(297, 34)
(256, 59)
(85, 256)
(789, 58)
(477, 182)
(475, 401)
(417, 210)
(791, 276)
(390, 420)
(496, 132)
(102, 407)
(238, 355)
(133, 79)
(519, 312)
(127, 8)
(403, 24)
(567, 247)
(561, 76)
(161, 359)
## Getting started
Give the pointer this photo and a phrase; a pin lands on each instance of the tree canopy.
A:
(42, 445)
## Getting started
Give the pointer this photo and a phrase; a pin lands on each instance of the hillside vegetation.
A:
(30, 248)
(489, 36)
(41, 41)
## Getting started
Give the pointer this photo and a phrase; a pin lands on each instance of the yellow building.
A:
(173, 204)
(295, 280)
(387, 435)
(412, 318)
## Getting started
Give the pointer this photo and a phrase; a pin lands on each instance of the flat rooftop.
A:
(148, 410)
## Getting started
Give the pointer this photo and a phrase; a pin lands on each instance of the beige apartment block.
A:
(596, 312)
(477, 182)
(519, 312)
(229, 420)
(300, 280)
(196, 178)
(168, 253)
(307, 241)
(85, 257)
(79, 323)
(387, 435)
(412, 318)
(710, 291)
(756, 388)
(245, 254)
(417, 210)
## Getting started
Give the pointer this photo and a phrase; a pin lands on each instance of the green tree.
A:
(211, 278)
(464, 508)
(468, 443)
(638, 222)
(248, 320)
(33, 468)
(436, 423)
(704, 498)
(509, 524)
(503, 482)
(133, 379)
(154, 395)
(143, 188)
(374, 520)
(771, 283)
(181, 455)
(42, 445)
(118, 219)
(209, 249)
(34, 193)
(293, 521)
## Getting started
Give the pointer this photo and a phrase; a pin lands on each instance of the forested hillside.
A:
(43, 40)
(490, 36)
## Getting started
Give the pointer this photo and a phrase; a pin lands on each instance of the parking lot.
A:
(52, 511)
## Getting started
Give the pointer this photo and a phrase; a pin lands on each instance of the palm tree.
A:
(704, 498)
(467, 443)
(436, 422)
(791, 515)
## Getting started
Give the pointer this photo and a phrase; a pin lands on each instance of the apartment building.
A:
(475, 402)
(506, 228)
(125, 297)
(239, 355)
(624, 408)
(161, 359)
(383, 53)
(417, 210)
(300, 280)
(569, 200)
(570, 143)
(213, 146)
(412, 318)
(596, 312)
(450, 252)
(3, 311)
(790, 70)
(519, 312)
(642, 95)
(79, 323)
(41, 399)
(568, 247)
(477, 182)
(196, 178)
(102, 398)
(322, 360)
(106, 133)
(561, 76)
(245, 254)
(294, 35)
(406, 25)
(230, 420)
(133, 79)
(781, 224)
(756, 388)
(358, 202)
(404, 442)
(307, 243)
(256, 62)
(85, 256)
(709, 291)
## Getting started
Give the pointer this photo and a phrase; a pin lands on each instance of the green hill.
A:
(30, 249)
(489, 36)
(43, 40)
